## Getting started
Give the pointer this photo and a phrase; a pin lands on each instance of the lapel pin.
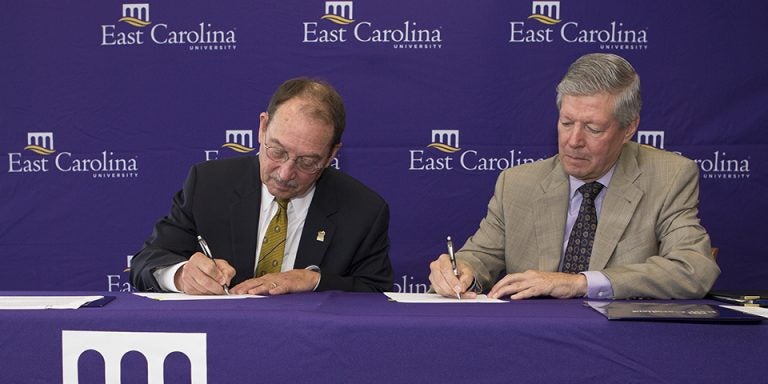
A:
(321, 236)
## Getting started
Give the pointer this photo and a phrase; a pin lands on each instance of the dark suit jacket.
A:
(649, 242)
(221, 202)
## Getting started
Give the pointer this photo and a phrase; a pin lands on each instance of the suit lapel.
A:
(319, 230)
(549, 215)
(621, 201)
(245, 210)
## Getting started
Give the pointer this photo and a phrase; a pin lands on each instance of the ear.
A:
(263, 122)
(334, 151)
(631, 129)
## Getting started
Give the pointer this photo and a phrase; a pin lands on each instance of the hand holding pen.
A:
(450, 277)
(449, 242)
(207, 251)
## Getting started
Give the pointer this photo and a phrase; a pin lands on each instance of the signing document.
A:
(757, 311)
(46, 302)
(168, 296)
(435, 298)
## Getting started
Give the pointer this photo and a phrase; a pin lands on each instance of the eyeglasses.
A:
(305, 164)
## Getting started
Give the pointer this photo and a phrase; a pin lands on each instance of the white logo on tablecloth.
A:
(155, 346)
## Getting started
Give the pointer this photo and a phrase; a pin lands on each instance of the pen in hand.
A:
(207, 252)
(453, 262)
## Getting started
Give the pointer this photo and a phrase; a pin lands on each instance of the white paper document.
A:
(168, 296)
(45, 302)
(435, 298)
(757, 311)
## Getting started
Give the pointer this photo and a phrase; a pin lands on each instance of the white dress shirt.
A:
(297, 215)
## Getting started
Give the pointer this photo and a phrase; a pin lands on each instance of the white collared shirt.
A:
(297, 215)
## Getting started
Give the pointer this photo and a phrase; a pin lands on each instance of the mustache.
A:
(283, 183)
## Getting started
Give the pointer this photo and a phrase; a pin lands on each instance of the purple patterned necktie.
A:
(582, 236)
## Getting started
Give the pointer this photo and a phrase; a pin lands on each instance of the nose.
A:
(575, 137)
(287, 170)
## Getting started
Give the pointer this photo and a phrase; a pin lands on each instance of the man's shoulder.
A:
(346, 186)
(536, 170)
(652, 157)
(226, 173)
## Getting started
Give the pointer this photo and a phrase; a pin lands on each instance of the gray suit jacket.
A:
(649, 242)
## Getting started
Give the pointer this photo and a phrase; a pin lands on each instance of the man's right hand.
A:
(445, 283)
(203, 276)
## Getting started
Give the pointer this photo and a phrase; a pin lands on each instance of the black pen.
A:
(453, 262)
(207, 252)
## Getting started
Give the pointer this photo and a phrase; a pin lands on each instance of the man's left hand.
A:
(296, 280)
(537, 283)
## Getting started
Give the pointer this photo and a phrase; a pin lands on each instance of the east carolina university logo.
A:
(719, 166)
(106, 164)
(239, 140)
(652, 138)
(447, 155)
(136, 15)
(445, 140)
(344, 28)
(614, 35)
(339, 12)
(40, 143)
(203, 36)
(546, 12)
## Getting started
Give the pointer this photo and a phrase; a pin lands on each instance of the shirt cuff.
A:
(316, 269)
(598, 286)
(165, 277)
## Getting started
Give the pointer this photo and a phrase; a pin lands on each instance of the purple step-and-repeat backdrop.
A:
(106, 105)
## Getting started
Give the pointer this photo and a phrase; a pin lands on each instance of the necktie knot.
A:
(282, 203)
(590, 190)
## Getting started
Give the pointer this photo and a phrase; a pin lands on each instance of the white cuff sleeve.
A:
(598, 286)
(164, 277)
(316, 269)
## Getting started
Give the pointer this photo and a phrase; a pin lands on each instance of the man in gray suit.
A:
(647, 241)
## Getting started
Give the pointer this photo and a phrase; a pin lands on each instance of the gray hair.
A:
(604, 72)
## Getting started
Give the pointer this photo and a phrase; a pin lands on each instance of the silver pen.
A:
(207, 252)
(453, 262)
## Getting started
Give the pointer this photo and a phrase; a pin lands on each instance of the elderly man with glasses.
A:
(277, 223)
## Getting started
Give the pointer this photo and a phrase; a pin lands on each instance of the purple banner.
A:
(106, 105)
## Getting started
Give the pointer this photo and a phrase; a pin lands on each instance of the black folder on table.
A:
(749, 298)
(681, 312)
(104, 300)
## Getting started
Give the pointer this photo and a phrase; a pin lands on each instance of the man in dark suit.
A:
(336, 236)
